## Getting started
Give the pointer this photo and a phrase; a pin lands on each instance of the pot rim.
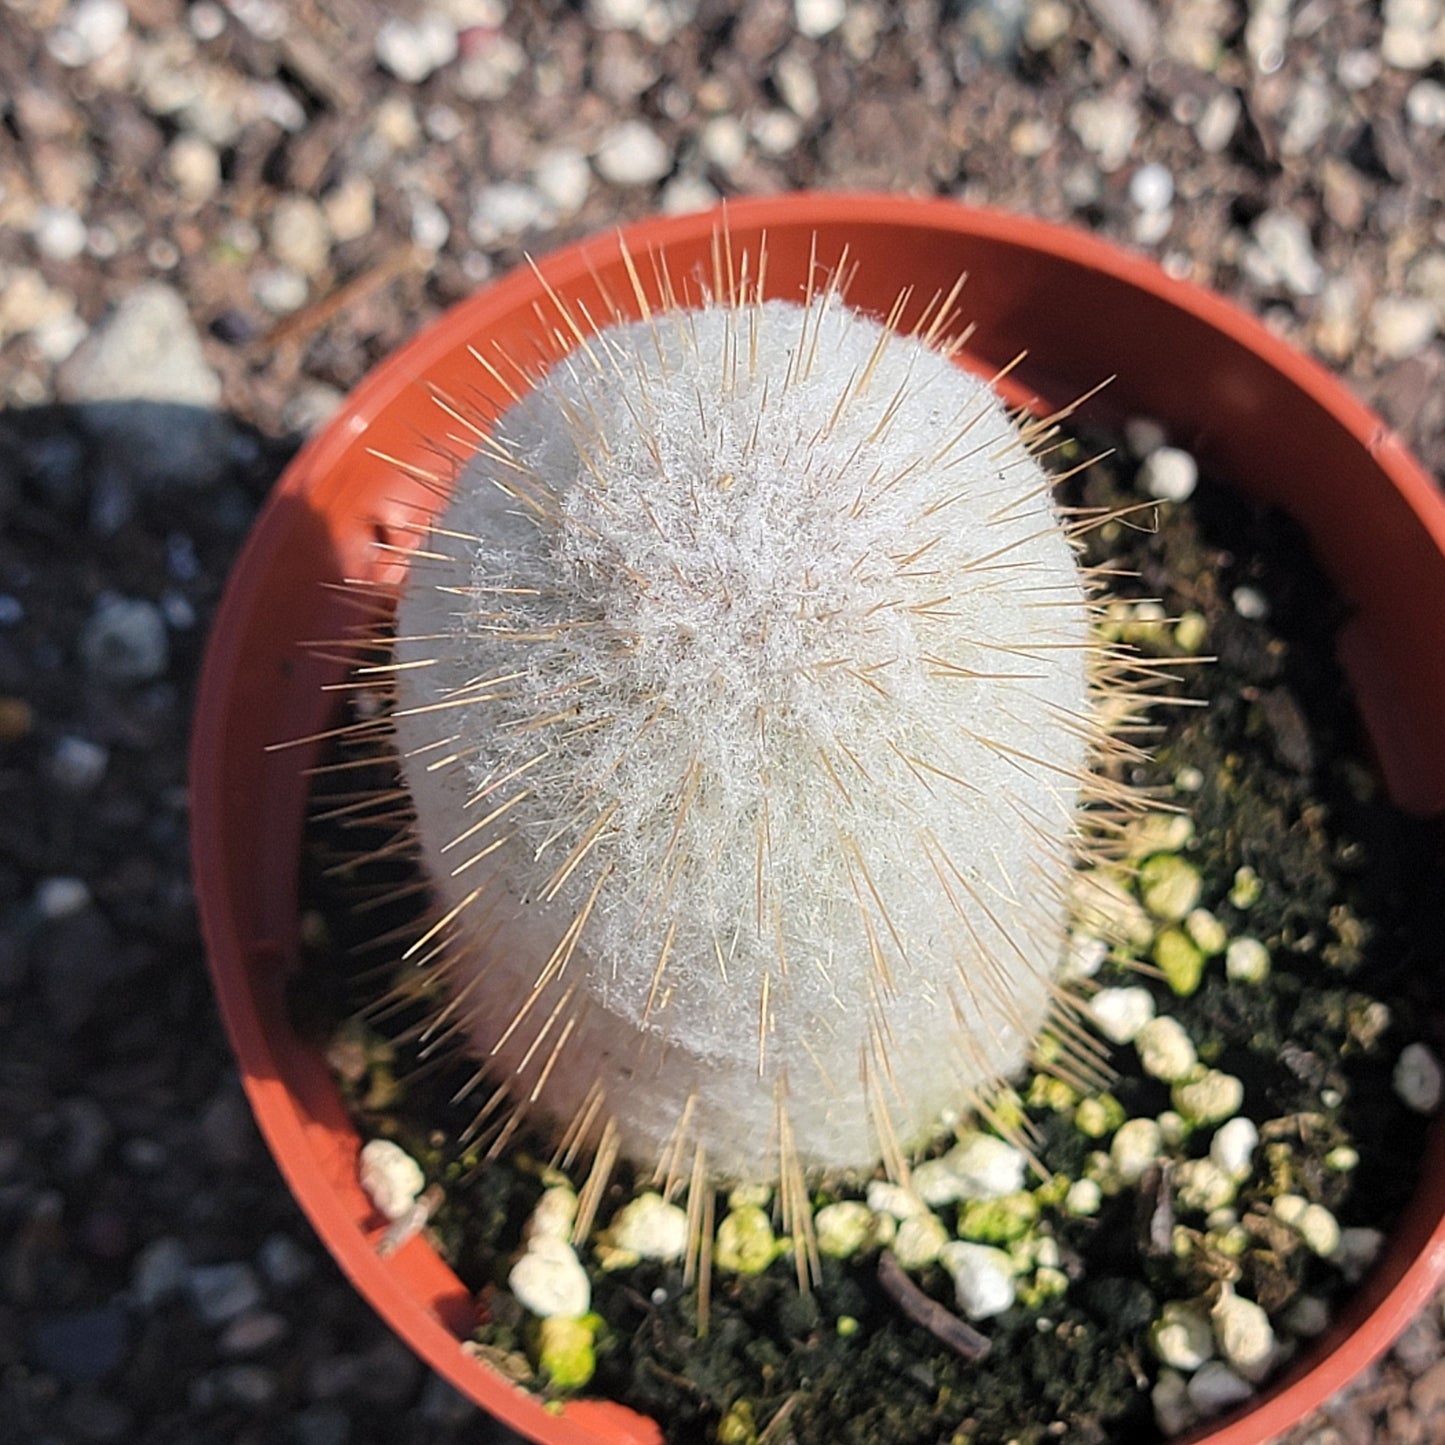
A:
(291, 1130)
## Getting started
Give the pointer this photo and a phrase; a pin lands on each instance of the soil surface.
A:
(214, 217)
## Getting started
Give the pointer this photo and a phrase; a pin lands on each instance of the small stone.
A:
(1174, 1413)
(194, 168)
(58, 233)
(350, 208)
(280, 289)
(77, 765)
(894, 1200)
(1169, 886)
(413, 50)
(1418, 1079)
(282, 1262)
(506, 210)
(564, 178)
(1120, 1013)
(1182, 1336)
(1084, 1198)
(490, 68)
(1243, 1334)
(1282, 254)
(391, 1178)
(1202, 1186)
(1151, 187)
(796, 86)
(1106, 126)
(983, 1279)
(1250, 603)
(1401, 326)
(1246, 960)
(1425, 105)
(1320, 1230)
(1215, 1388)
(564, 1352)
(1307, 1317)
(124, 640)
(88, 31)
(221, 1292)
(723, 142)
(1209, 1099)
(1307, 117)
(299, 235)
(61, 897)
(1135, 1149)
(160, 1272)
(1427, 1394)
(632, 154)
(1206, 931)
(1179, 960)
(1218, 122)
(1168, 474)
(252, 1332)
(145, 350)
(817, 18)
(554, 1213)
(430, 225)
(549, 1280)
(683, 195)
(776, 133)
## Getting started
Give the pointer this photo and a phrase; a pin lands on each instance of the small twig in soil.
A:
(942, 1324)
(301, 325)
(771, 1431)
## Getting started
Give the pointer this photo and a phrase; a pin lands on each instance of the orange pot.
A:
(1254, 411)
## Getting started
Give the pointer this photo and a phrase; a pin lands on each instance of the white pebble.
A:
(1142, 435)
(280, 289)
(194, 168)
(505, 210)
(411, 51)
(1320, 1231)
(1084, 1198)
(777, 132)
(58, 233)
(1085, 956)
(1307, 1317)
(1174, 1413)
(299, 235)
(88, 31)
(549, 1281)
(632, 154)
(723, 142)
(650, 1228)
(1166, 1052)
(1210, 1099)
(1215, 1388)
(1418, 1078)
(1244, 1335)
(1169, 475)
(1119, 1013)
(77, 765)
(1425, 104)
(1401, 326)
(206, 21)
(430, 226)
(683, 195)
(350, 208)
(986, 1167)
(564, 178)
(842, 1228)
(1233, 1146)
(1106, 125)
(391, 1178)
(983, 1280)
(817, 18)
(1250, 603)
(1151, 187)
(1182, 1336)
(1201, 1185)
(935, 1183)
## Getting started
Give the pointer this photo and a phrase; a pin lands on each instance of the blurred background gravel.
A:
(214, 217)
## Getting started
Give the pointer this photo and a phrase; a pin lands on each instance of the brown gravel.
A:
(304, 206)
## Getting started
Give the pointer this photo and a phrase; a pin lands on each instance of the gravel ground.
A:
(213, 219)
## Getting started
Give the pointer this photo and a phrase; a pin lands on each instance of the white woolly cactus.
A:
(744, 697)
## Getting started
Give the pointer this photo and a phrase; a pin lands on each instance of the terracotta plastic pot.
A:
(1253, 411)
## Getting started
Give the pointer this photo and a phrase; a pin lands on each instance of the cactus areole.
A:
(744, 700)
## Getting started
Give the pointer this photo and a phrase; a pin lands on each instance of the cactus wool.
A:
(744, 701)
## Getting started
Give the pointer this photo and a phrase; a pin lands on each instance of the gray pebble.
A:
(161, 1272)
(60, 897)
(506, 210)
(632, 154)
(282, 1262)
(563, 176)
(145, 350)
(252, 1332)
(280, 289)
(88, 31)
(1401, 326)
(430, 226)
(1425, 104)
(194, 166)
(220, 1292)
(124, 640)
(299, 235)
(1106, 126)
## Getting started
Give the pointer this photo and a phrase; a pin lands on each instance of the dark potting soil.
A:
(1284, 788)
